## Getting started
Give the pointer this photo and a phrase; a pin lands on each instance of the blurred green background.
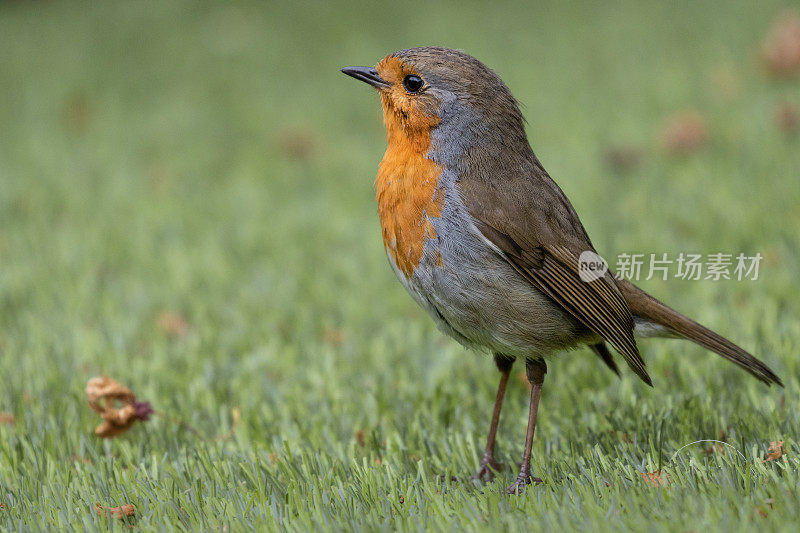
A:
(186, 204)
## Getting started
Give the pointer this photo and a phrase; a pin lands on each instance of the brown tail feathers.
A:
(605, 355)
(645, 306)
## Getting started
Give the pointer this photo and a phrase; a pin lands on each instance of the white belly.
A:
(476, 297)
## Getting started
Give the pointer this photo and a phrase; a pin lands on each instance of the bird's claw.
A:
(521, 483)
(489, 467)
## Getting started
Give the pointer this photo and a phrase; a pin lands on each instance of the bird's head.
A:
(442, 96)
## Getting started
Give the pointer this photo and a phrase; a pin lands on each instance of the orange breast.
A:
(408, 193)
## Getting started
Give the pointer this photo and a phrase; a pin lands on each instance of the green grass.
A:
(211, 161)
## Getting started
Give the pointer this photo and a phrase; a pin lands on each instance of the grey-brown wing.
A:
(597, 304)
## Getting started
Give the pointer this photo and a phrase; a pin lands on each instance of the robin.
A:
(486, 242)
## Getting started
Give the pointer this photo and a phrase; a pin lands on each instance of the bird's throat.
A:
(408, 192)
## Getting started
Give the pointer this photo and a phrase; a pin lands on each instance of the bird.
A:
(488, 244)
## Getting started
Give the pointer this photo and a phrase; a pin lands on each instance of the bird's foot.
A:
(521, 483)
(489, 467)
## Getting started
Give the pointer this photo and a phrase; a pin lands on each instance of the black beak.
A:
(367, 75)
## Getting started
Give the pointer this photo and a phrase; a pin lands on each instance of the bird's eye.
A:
(412, 83)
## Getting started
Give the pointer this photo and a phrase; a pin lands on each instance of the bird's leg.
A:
(535, 370)
(488, 464)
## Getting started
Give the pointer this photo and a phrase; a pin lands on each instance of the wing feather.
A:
(597, 304)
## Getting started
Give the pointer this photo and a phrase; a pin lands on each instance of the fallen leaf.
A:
(787, 117)
(775, 451)
(684, 132)
(78, 113)
(763, 512)
(716, 447)
(115, 512)
(104, 393)
(7, 418)
(656, 479)
(780, 51)
(623, 435)
(333, 336)
(173, 324)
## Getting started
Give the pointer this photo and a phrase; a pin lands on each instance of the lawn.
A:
(186, 205)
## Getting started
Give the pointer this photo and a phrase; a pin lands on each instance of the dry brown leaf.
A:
(780, 51)
(775, 451)
(115, 512)
(716, 447)
(297, 143)
(104, 394)
(656, 479)
(7, 418)
(787, 117)
(684, 132)
(104, 388)
(763, 512)
(173, 324)
(333, 336)
(623, 435)
(78, 113)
